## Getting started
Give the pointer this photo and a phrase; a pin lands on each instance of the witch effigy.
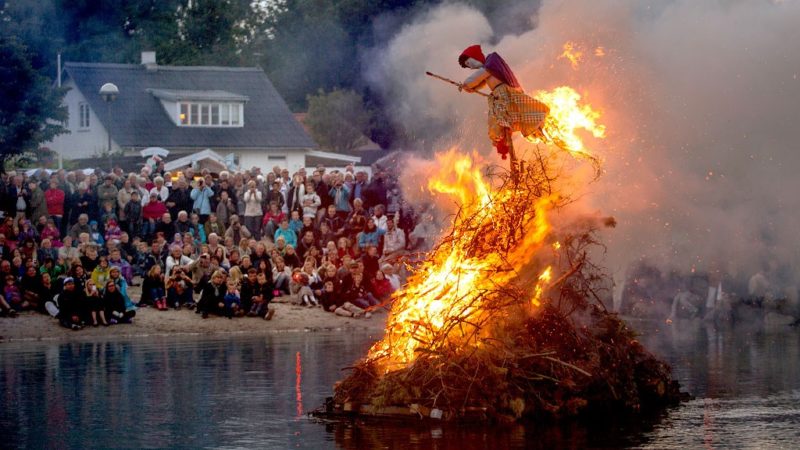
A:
(510, 109)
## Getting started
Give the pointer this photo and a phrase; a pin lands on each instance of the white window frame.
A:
(84, 114)
(229, 114)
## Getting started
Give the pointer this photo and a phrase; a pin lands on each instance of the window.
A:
(203, 114)
(83, 110)
(234, 114)
(195, 116)
(225, 114)
(215, 114)
(210, 114)
(184, 117)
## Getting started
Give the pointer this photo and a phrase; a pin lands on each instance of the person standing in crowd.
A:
(107, 192)
(179, 199)
(54, 198)
(252, 212)
(37, 206)
(226, 208)
(201, 196)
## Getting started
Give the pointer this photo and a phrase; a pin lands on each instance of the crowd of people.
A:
(227, 244)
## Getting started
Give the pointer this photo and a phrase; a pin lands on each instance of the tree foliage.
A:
(338, 119)
(30, 107)
(303, 45)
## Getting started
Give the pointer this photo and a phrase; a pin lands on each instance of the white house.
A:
(185, 110)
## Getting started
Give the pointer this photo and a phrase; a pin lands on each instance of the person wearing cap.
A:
(70, 310)
(107, 192)
(510, 109)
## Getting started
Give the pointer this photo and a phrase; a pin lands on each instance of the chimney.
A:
(149, 60)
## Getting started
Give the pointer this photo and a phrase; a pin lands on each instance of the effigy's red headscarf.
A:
(474, 52)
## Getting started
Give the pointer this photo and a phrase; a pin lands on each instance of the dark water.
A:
(253, 392)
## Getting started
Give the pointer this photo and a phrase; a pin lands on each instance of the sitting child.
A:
(305, 294)
(94, 234)
(113, 232)
(232, 301)
(335, 303)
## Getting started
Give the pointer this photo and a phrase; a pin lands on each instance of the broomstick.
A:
(514, 164)
(455, 83)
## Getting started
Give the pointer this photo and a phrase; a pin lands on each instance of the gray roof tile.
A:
(138, 119)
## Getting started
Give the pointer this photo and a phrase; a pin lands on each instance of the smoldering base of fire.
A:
(504, 320)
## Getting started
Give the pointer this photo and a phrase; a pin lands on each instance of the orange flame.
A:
(567, 116)
(448, 285)
(570, 53)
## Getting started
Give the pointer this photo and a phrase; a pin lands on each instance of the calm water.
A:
(248, 392)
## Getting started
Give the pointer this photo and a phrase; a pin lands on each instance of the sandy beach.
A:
(31, 326)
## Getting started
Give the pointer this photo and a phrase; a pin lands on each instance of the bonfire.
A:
(504, 319)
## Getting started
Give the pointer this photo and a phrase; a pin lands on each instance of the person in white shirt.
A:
(380, 217)
(160, 190)
(394, 242)
(176, 258)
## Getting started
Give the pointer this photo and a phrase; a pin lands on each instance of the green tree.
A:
(338, 119)
(30, 107)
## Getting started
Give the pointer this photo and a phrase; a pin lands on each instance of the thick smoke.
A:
(701, 100)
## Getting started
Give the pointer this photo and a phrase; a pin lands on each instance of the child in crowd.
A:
(232, 300)
(305, 295)
(113, 232)
(94, 304)
(101, 273)
(153, 289)
(336, 304)
(13, 295)
(94, 233)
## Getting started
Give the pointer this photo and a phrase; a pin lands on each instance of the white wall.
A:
(267, 159)
(80, 143)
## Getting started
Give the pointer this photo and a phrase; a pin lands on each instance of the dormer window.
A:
(202, 108)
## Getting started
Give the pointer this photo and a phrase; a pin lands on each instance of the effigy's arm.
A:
(476, 81)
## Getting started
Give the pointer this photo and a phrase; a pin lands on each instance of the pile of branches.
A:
(570, 357)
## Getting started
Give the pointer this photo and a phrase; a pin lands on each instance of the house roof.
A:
(137, 118)
(177, 95)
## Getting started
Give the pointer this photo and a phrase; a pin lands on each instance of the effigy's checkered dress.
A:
(512, 109)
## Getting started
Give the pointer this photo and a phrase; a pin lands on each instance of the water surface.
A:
(254, 392)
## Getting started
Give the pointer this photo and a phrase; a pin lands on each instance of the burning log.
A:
(480, 331)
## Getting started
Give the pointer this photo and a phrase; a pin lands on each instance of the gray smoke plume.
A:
(701, 101)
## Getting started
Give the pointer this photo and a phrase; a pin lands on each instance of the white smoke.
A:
(701, 100)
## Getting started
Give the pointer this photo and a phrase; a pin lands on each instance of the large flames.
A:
(449, 287)
(498, 231)
(567, 116)
(486, 326)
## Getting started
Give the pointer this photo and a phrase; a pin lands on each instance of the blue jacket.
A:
(371, 238)
(289, 236)
(202, 200)
(342, 201)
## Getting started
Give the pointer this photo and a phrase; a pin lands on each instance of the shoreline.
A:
(150, 322)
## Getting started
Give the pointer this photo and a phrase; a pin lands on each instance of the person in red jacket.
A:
(151, 212)
(54, 199)
(380, 286)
